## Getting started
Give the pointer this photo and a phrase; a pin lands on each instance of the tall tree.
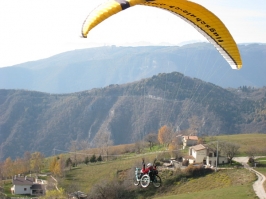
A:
(87, 160)
(26, 161)
(103, 141)
(37, 162)
(69, 163)
(93, 158)
(166, 135)
(151, 138)
(8, 168)
(229, 149)
(74, 146)
(53, 164)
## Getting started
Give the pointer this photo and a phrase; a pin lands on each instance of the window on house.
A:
(25, 189)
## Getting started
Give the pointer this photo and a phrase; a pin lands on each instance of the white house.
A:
(27, 185)
(190, 140)
(205, 155)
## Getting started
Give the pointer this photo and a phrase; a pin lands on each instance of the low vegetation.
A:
(114, 175)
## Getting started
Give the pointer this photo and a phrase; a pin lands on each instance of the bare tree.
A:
(103, 141)
(229, 149)
(84, 144)
(73, 149)
(151, 138)
(252, 151)
(26, 161)
(139, 146)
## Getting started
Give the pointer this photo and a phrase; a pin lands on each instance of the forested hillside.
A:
(35, 121)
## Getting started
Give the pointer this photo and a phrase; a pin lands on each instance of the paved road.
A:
(258, 185)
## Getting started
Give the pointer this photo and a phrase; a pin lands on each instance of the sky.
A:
(36, 29)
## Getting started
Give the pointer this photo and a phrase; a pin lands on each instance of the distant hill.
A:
(85, 69)
(36, 121)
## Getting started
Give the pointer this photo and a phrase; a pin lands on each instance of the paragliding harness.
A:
(150, 170)
(146, 175)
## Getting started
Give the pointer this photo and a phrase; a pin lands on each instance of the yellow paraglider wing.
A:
(199, 17)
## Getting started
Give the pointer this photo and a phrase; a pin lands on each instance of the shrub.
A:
(185, 163)
(195, 171)
(251, 160)
(108, 189)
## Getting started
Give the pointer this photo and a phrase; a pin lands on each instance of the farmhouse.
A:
(205, 155)
(27, 185)
(189, 140)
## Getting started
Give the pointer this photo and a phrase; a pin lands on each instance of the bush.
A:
(251, 160)
(196, 171)
(185, 163)
(109, 189)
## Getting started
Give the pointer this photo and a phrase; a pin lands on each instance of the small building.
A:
(204, 155)
(190, 140)
(27, 185)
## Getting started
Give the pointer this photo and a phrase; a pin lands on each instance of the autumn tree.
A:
(57, 166)
(18, 166)
(165, 135)
(36, 161)
(53, 164)
(8, 170)
(1, 171)
(26, 161)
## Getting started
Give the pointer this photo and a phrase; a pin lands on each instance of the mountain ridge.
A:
(84, 69)
(37, 121)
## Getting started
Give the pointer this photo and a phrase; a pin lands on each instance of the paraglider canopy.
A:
(203, 20)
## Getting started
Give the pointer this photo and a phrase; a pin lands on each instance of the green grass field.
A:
(226, 183)
(232, 192)
(236, 183)
(244, 140)
(85, 176)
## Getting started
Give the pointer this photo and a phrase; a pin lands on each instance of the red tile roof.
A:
(191, 137)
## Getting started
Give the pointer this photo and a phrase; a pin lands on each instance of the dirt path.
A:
(258, 185)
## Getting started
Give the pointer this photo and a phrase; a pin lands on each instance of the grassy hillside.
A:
(230, 183)
(234, 182)
(245, 141)
(232, 192)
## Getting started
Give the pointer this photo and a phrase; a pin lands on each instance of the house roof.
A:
(190, 137)
(198, 147)
(23, 180)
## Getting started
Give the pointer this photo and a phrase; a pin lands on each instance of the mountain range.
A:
(85, 69)
(37, 121)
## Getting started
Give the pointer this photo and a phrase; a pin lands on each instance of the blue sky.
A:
(36, 29)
